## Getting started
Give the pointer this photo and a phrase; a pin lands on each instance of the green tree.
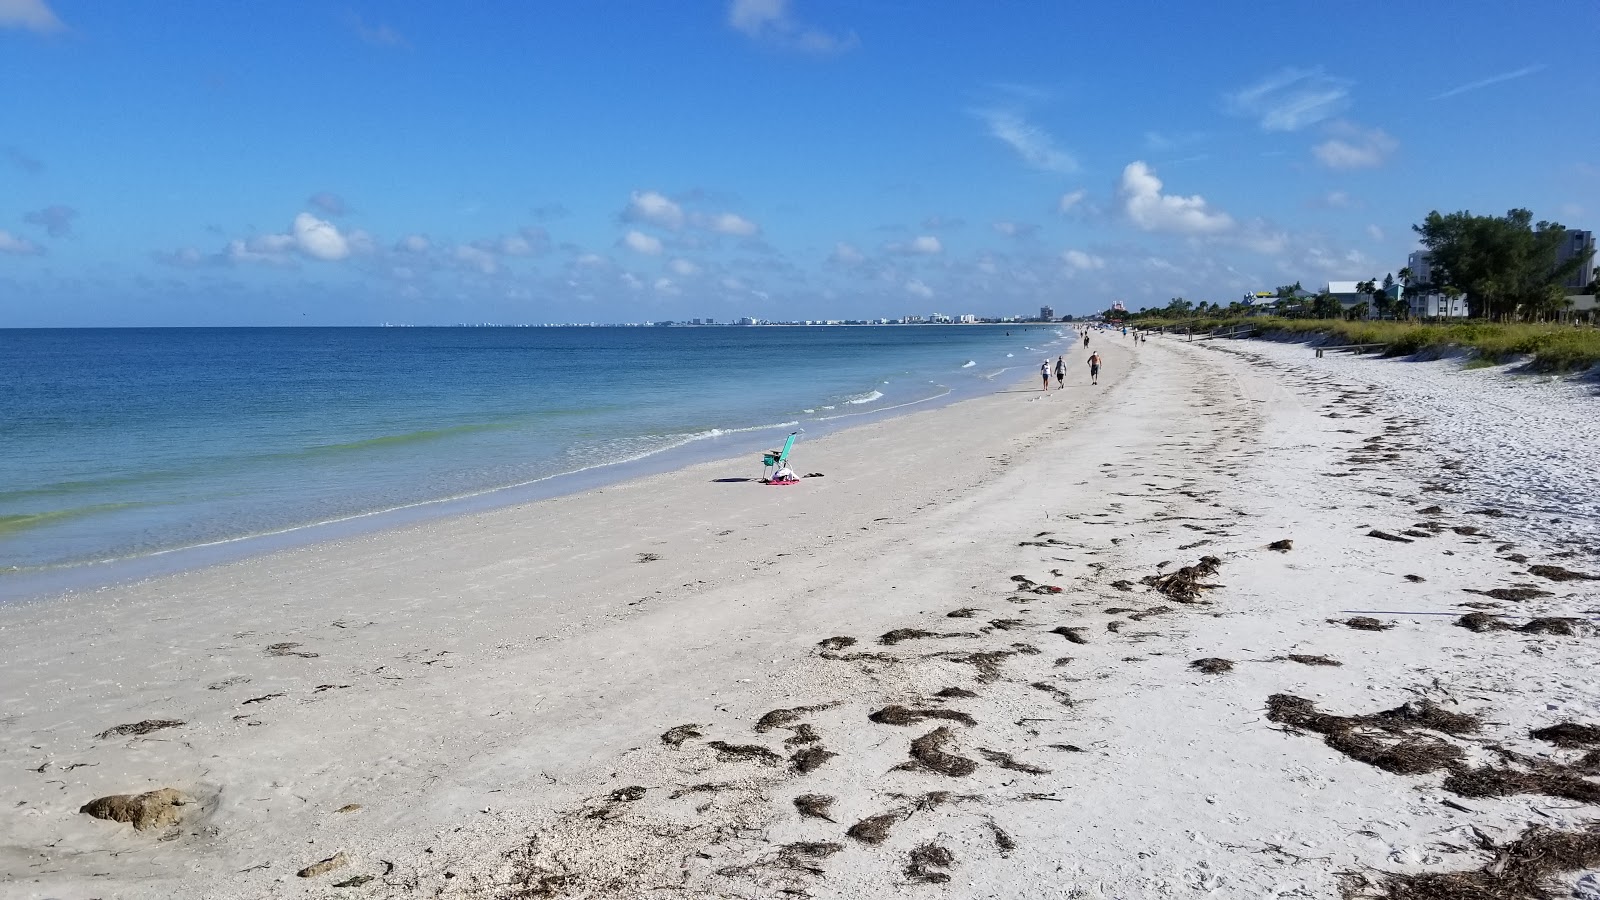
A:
(1359, 311)
(1505, 265)
(1325, 306)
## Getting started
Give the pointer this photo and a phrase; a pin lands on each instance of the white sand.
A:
(483, 684)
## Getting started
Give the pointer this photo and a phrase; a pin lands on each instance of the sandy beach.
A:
(961, 663)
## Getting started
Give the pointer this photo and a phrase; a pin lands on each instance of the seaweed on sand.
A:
(1523, 869)
(928, 752)
(815, 806)
(1213, 665)
(742, 752)
(1185, 584)
(895, 714)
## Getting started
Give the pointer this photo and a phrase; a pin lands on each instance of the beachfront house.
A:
(1347, 295)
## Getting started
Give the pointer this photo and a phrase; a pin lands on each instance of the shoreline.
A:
(45, 583)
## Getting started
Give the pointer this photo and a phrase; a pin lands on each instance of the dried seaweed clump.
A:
(926, 860)
(1306, 659)
(815, 806)
(1213, 665)
(1007, 761)
(1185, 584)
(783, 718)
(1524, 868)
(1557, 573)
(836, 643)
(144, 727)
(674, 737)
(986, 662)
(875, 830)
(951, 693)
(894, 714)
(928, 752)
(1383, 740)
(1550, 781)
(1568, 734)
(1362, 623)
(805, 761)
(742, 752)
(890, 638)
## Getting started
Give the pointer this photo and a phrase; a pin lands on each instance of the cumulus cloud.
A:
(477, 258)
(16, 245)
(55, 220)
(916, 288)
(529, 241)
(846, 255)
(1030, 142)
(1337, 200)
(1015, 229)
(30, 15)
(328, 203)
(413, 243)
(683, 268)
(1070, 200)
(1291, 99)
(1152, 210)
(666, 286)
(770, 22)
(318, 238)
(639, 242)
(731, 223)
(1354, 147)
(922, 245)
(266, 250)
(1375, 232)
(653, 208)
(1082, 261)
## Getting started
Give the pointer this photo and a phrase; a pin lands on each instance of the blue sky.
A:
(203, 163)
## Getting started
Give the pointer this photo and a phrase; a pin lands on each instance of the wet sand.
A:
(965, 656)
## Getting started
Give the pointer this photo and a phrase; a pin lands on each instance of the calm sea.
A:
(125, 443)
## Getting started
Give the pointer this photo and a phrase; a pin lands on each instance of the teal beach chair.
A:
(777, 459)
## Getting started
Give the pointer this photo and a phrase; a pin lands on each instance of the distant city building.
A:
(1046, 313)
(1420, 262)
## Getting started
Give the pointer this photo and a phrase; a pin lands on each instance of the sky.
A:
(353, 163)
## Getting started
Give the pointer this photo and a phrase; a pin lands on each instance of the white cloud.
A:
(591, 260)
(665, 286)
(1375, 232)
(183, 258)
(639, 242)
(1152, 210)
(266, 249)
(733, 284)
(1355, 147)
(477, 258)
(317, 238)
(683, 268)
(653, 208)
(1036, 147)
(1337, 200)
(1078, 259)
(526, 242)
(922, 245)
(1070, 200)
(731, 223)
(1291, 99)
(769, 21)
(18, 246)
(33, 15)
(846, 255)
(916, 288)
(1492, 79)
(1015, 229)
(413, 243)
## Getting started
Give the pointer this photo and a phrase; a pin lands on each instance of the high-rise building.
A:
(1047, 314)
(1578, 242)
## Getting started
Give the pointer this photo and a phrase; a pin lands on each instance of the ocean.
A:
(128, 444)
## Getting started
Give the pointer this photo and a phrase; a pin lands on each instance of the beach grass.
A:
(1551, 348)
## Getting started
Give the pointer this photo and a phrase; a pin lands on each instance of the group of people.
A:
(1060, 368)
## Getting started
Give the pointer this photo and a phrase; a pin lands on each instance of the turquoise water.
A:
(121, 443)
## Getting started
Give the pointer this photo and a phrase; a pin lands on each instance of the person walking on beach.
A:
(1086, 338)
(1061, 373)
(1044, 373)
(1094, 367)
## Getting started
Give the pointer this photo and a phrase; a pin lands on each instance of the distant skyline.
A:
(352, 163)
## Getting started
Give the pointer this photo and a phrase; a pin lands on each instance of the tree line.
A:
(1504, 267)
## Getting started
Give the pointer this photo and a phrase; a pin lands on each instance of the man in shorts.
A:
(1061, 372)
(1094, 367)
